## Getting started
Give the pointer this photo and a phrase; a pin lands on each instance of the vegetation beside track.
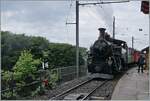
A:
(22, 58)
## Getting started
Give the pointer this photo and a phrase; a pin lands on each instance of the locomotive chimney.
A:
(102, 32)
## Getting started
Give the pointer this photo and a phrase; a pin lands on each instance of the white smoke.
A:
(106, 13)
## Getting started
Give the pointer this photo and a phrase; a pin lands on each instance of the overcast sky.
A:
(48, 18)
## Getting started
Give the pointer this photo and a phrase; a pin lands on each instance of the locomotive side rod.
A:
(67, 91)
(87, 96)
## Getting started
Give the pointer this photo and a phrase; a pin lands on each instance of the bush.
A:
(23, 73)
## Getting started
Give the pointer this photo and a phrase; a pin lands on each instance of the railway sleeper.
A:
(81, 96)
(97, 98)
(75, 96)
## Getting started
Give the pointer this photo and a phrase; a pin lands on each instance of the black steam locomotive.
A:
(107, 56)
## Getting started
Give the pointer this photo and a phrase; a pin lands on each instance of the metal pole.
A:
(77, 37)
(132, 42)
(83, 4)
(113, 27)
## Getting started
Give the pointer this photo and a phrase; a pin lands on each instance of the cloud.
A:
(48, 18)
(129, 19)
(34, 18)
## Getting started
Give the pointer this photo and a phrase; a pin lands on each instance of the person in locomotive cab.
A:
(141, 62)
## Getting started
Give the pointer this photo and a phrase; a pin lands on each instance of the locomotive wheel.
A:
(99, 67)
(91, 68)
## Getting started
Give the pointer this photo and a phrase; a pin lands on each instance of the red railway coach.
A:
(133, 56)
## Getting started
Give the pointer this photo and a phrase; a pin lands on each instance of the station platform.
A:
(132, 86)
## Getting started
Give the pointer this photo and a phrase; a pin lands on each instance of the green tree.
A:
(38, 44)
(25, 66)
(11, 47)
(57, 54)
(23, 73)
(63, 55)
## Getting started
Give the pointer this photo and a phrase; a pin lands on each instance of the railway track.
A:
(82, 87)
(90, 93)
(82, 91)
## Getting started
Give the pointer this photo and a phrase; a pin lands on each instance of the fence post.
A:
(79, 70)
(86, 66)
(40, 81)
(59, 73)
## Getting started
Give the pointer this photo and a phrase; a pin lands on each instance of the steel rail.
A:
(65, 92)
(88, 95)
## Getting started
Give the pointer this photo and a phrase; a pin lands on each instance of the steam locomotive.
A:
(107, 56)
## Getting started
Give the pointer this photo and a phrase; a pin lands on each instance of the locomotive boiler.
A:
(107, 56)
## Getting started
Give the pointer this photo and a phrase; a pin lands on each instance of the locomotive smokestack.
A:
(102, 32)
